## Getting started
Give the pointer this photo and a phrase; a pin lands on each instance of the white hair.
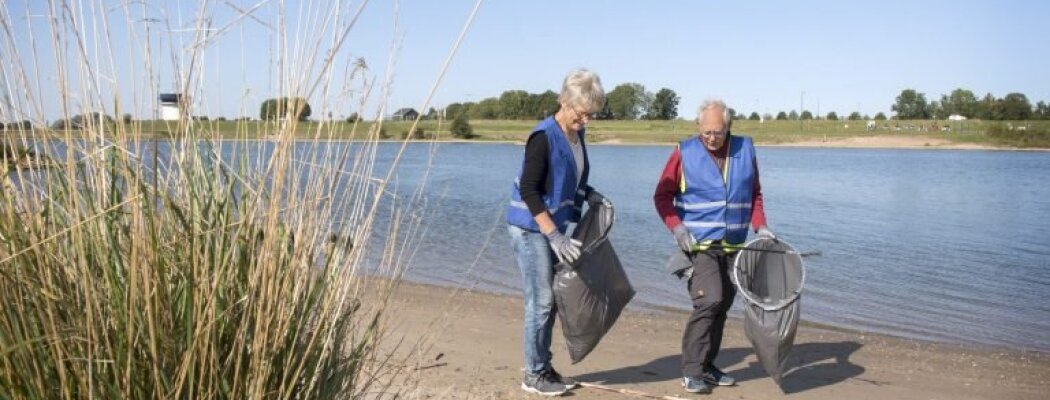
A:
(583, 88)
(714, 103)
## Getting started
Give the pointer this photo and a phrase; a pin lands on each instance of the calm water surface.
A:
(940, 245)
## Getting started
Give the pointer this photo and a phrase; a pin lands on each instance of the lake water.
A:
(940, 245)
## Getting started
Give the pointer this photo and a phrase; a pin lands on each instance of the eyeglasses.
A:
(713, 134)
(586, 116)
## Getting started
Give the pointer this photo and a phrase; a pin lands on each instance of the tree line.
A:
(630, 101)
(911, 104)
(627, 101)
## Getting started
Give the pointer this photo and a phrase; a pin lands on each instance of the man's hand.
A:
(566, 249)
(684, 238)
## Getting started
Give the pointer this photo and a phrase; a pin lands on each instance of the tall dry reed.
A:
(190, 267)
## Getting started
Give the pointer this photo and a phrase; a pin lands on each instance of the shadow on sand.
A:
(812, 365)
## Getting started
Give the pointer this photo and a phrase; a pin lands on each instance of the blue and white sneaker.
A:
(695, 385)
(715, 376)
(568, 382)
(542, 384)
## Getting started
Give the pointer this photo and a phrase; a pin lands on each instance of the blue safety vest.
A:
(716, 205)
(564, 195)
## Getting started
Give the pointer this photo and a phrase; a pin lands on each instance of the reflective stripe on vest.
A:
(715, 204)
(565, 199)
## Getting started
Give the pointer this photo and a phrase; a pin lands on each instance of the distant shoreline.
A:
(882, 141)
(962, 135)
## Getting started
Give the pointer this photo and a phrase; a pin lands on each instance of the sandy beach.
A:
(889, 142)
(471, 350)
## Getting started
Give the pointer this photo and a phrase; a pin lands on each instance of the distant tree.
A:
(936, 111)
(353, 118)
(782, 116)
(989, 108)
(454, 109)
(489, 108)
(664, 105)
(543, 104)
(461, 127)
(81, 121)
(514, 104)
(832, 116)
(754, 117)
(221, 119)
(767, 116)
(431, 114)
(627, 101)
(1042, 110)
(854, 116)
(284, 107)
(605, 113)
(806, 114)
(911, 105)
(961, 102)
(268, 109)
(867, 117)
(126, 118)
(1015, 106)
(793, 115)
(880, 116)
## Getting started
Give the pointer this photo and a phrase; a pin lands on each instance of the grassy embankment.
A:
(992, 133)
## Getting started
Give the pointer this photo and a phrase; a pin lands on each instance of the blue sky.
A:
(758, 56)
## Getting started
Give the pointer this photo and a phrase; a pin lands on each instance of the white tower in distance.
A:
(170, 106)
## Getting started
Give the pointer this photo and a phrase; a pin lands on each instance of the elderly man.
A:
(708, 196)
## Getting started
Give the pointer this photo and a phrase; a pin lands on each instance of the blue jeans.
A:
(536, 261)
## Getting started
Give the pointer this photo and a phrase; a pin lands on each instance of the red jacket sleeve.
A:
(758, 209)
(666, 188)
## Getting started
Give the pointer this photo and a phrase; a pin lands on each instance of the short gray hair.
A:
(583, 88)
(714, 103)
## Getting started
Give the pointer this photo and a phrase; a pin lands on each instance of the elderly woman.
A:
(547, 196)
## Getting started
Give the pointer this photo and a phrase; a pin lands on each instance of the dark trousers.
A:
(712, 293)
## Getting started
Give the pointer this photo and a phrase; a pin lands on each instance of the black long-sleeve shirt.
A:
(535, 180)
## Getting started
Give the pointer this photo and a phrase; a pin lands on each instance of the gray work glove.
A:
(567, 250)
(594, 198)
(684, 238)
(766, 233)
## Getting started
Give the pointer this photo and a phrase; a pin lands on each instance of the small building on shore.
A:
(405, 114)
(171, 105)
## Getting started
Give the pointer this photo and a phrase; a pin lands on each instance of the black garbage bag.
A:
(769, 276)
(591, 292)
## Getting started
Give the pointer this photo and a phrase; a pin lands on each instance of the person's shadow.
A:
(814, 365)
(811, 365)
